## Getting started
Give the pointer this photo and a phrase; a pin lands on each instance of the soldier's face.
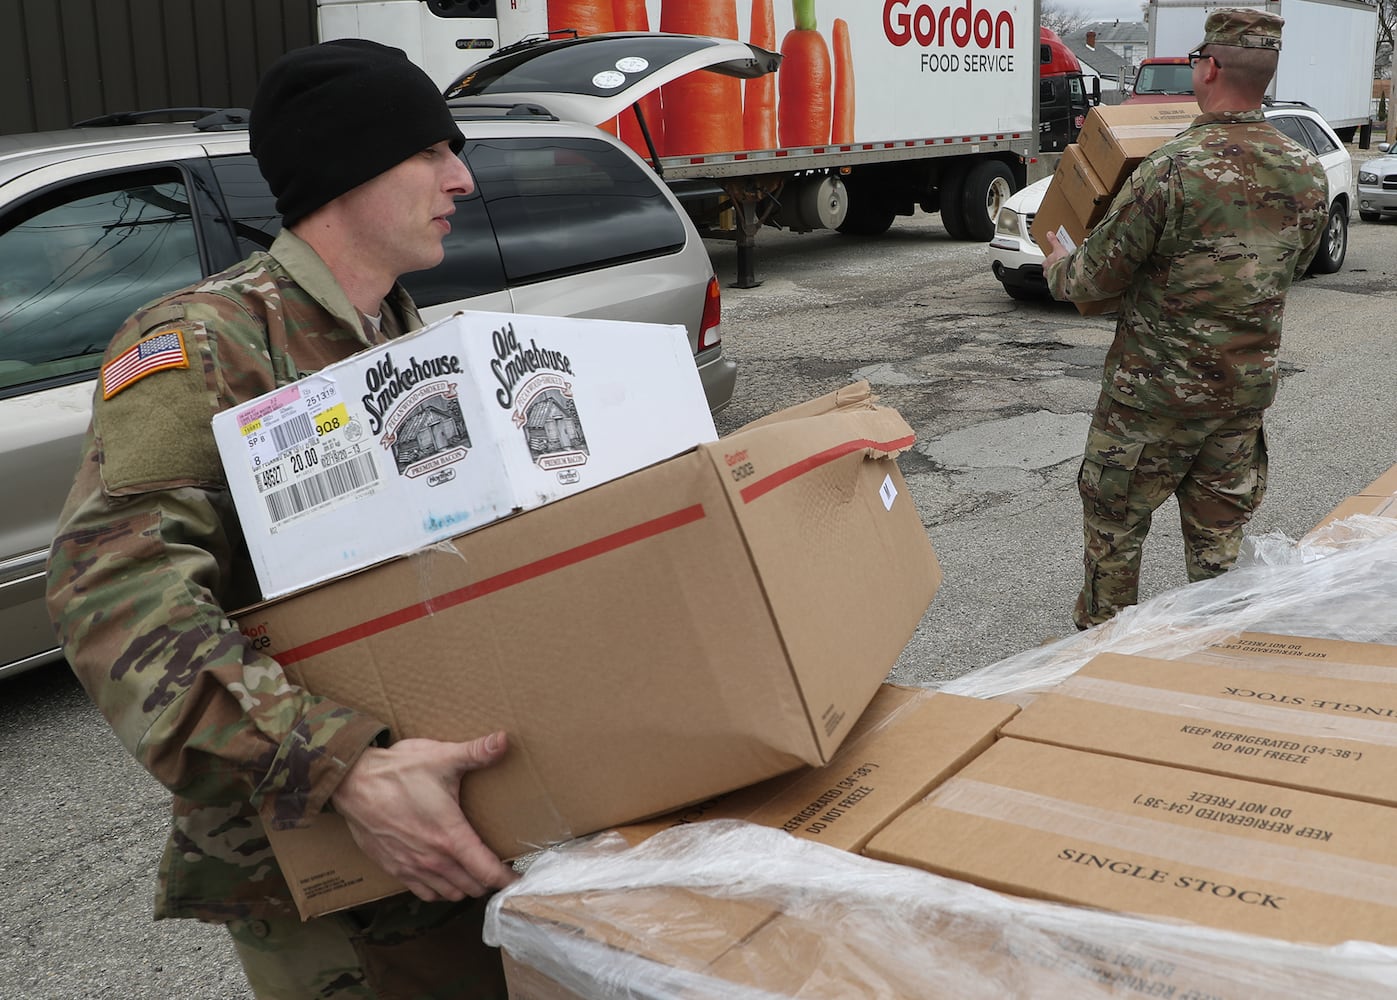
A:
(402, 215)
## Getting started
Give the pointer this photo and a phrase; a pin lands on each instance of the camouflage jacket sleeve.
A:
(147, 557)
(1107, 262)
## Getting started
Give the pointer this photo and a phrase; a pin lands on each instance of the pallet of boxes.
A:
(1113, 141)
(1211, 821)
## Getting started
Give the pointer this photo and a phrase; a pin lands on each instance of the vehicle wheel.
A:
(869, 213)
(951, 190)
(1370, 216)
(988, 185)
(1335, 243)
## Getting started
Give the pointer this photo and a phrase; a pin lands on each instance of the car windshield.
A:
(1165, 79)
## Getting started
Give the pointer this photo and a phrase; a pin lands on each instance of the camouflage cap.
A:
(1242, 27)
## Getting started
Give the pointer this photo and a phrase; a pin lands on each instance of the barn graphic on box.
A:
(546, 414)
(428, 432)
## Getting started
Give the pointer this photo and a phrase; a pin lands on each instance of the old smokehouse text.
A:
(513, 361)
(385, 382)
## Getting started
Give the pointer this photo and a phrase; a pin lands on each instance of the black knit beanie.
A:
(328, 117)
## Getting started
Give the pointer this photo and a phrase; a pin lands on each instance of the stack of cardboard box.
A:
(1217, 823)
(1113, 141)
(654, 617)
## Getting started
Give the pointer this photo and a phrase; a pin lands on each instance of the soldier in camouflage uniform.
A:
(1201, 245)
(359, 148)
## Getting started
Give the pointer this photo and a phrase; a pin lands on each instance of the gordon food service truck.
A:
(1326, 60)
(878, 106)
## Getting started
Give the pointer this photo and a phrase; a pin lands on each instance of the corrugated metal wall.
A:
(65, 60)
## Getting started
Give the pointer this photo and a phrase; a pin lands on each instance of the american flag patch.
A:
(156, 353)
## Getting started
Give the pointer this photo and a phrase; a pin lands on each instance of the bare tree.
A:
(1065, 20)
(1387, 35)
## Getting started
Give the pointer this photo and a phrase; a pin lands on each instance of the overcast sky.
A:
(1107, 10)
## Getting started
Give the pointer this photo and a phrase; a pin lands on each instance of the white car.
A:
(1018, 262)
(1377, 185)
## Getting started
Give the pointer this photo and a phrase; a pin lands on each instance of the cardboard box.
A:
(1115, 138)
(1078, 827)
(447, 429)
(1372, 506)
(1384, 486)
(1084, 189)
(907, 742)
(700, 625)
(1057, 215)
(1320, 733)
(923, 941)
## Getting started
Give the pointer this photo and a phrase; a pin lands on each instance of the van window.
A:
(76, 262)
(566, 206)
(255, 218)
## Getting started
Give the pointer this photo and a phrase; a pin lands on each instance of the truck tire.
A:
(869, 213)
(988, 184)
(950, 192)
(1334, 246)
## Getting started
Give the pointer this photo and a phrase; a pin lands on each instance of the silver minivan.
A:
(565, 220)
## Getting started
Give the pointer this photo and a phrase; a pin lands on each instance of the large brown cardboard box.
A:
(900, 941)
(673, 928)
(1115, 138)
(703, 624)
(1372, 506)
(1316, 732)
(1101, 831)
(1057, 215)
(1083, 187)
(1384, 486)
(907, 742)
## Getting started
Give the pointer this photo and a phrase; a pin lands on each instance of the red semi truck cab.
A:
(1063, 100)
(1162, 80)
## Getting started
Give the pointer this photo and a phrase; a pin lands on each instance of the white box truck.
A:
(1327, 51)
(877, 108)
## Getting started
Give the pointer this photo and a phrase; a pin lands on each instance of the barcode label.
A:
(322, 487)
(290, 433)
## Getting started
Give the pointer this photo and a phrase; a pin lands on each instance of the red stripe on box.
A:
(502, 581)
(782, 476)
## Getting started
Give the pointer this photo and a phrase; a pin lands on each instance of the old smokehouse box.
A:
(449, 428)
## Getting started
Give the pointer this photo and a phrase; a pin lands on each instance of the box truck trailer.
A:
(1326, 60)
(870, 110)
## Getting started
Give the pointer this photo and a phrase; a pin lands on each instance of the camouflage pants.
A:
(399, 949)
(1134, 461)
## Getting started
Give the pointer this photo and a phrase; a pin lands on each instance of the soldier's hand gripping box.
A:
(447, 429)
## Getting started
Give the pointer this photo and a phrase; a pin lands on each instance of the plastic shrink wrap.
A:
(731, 910)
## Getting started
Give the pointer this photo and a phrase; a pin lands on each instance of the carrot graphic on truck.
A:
(703, 111)
(805, 111)
(759, 97)
(842, 130)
